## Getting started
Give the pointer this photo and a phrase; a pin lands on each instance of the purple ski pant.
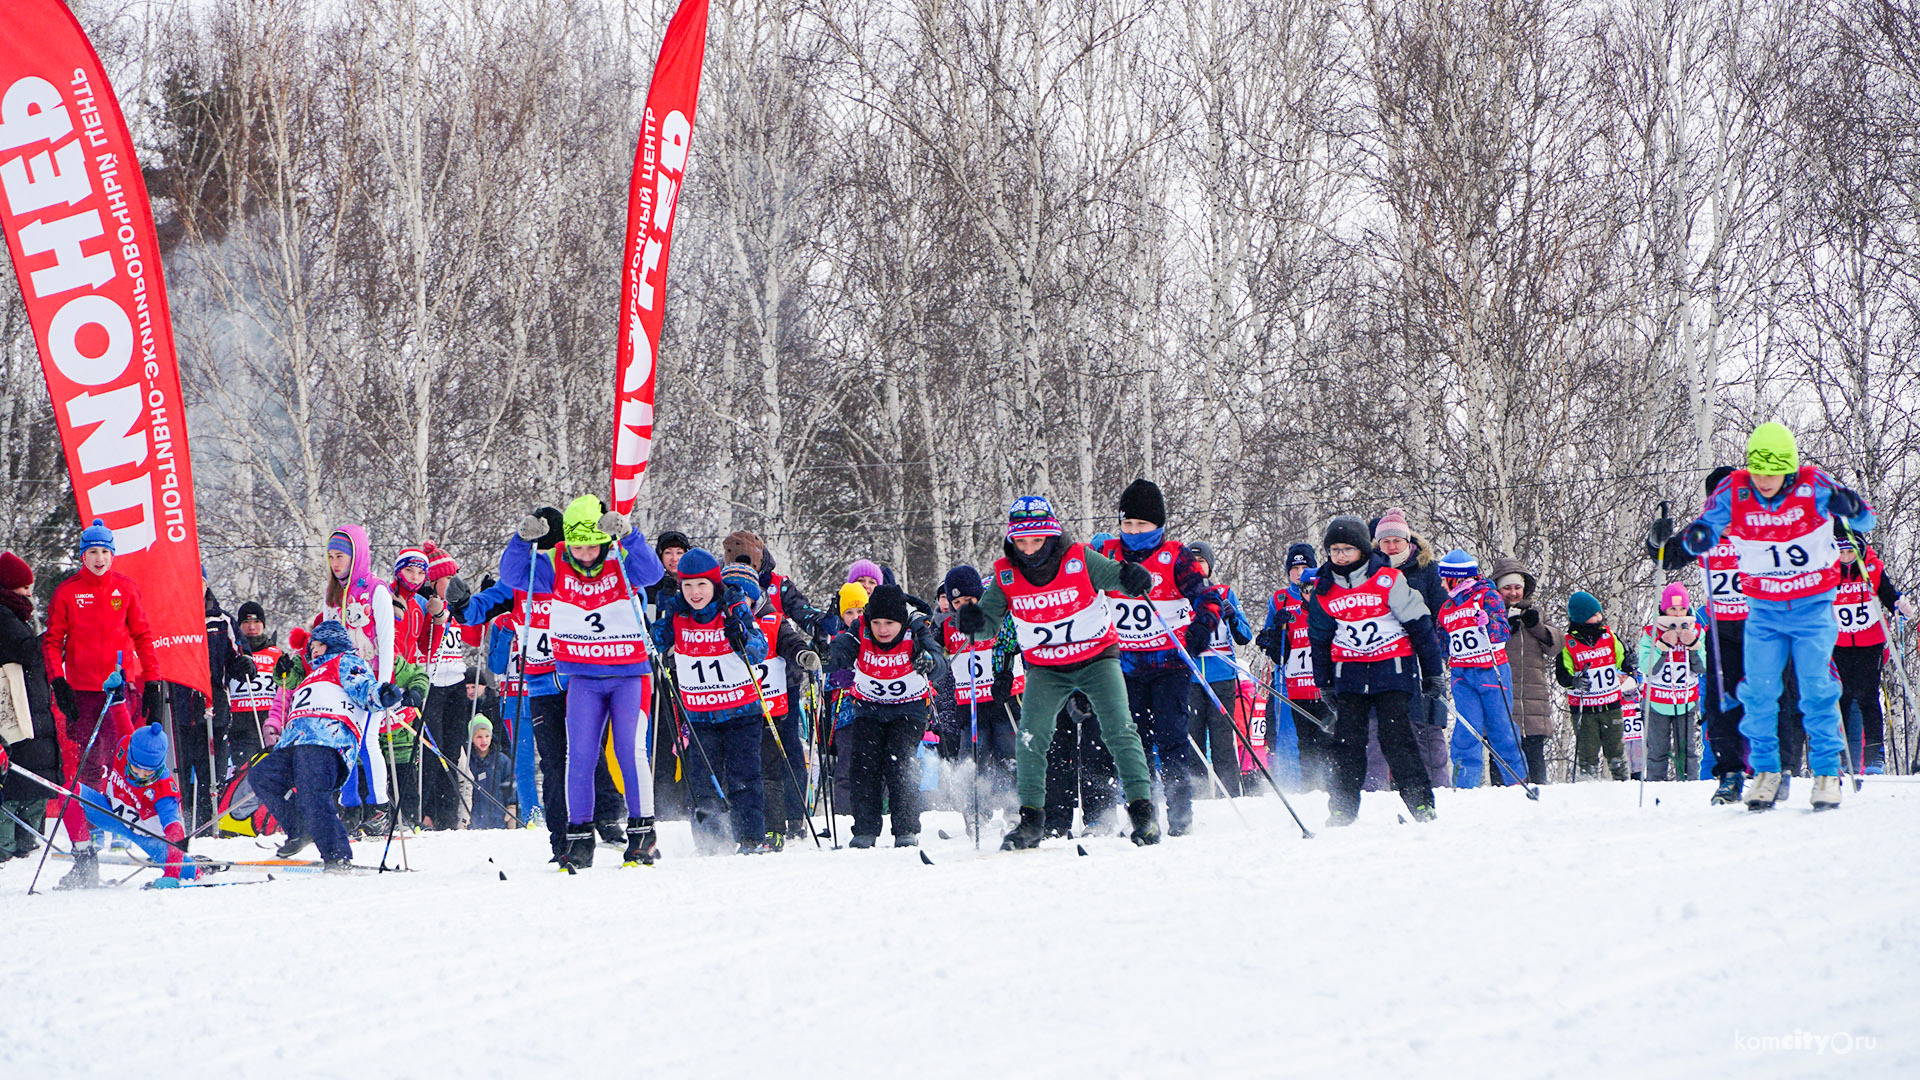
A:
(595, 703)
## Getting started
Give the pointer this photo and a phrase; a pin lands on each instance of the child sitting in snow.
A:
(142, 798)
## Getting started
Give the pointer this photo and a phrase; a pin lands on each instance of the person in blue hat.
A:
(139, 787)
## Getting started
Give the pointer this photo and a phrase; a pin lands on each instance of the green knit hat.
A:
(1771, 451)
(477, 725)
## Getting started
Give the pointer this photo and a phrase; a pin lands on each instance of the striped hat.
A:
(1031, 515)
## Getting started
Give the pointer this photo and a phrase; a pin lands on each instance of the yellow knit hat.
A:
(852, 596)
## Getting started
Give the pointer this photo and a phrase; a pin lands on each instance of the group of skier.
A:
(617, 660)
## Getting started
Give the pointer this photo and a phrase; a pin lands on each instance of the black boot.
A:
(1729, 791)
(611, 832)
(350, 818)
(1028, 834)
(294, 846)
(642, 848)
(1145, 829)
(579, 854)
(85, 873)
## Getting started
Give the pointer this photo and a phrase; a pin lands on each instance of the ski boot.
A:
(294, 846)
(909, 840)
(1340, 819)
(1761, 792)
(753, 847)
(85, 873)
(1729, 790)
(376, 824)
(1423, 812)
(1028, 833)
(1780, 796)
(1826, 792)
(1145, 830)
(336, 867)
(642, 847)
(579, 853)
(611, 832)
(776, 841)
(350, 817)
(862, 842)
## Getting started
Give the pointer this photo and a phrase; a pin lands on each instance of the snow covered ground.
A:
(1579, 936)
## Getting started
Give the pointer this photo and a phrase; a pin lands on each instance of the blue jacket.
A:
(642, 567)
(738, 613)
(492, 774)
(499, 642)
(1377, 676)
(1718, 513)
(359, 682)
(1214, 668)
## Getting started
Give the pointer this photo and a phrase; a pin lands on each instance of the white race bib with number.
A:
(909, 687)
(1854, 618)
(1785, 558)
(1087, 624)
(710, 674)
(1469, 643)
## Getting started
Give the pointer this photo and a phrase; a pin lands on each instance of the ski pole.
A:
(393, 814)
(1532, 792)
(1208, 687)
(1321, 722)
(114, 683)
(424, 736)
(823, 719)
(779, 744)
(679, 703)
(973, 729)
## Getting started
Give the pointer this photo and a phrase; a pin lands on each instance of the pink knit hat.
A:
(1392, 523)
(1675, 596)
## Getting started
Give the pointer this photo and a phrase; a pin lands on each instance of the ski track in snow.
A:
(1580, 936)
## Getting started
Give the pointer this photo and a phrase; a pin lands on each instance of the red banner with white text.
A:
(81, 233)
(658, 165)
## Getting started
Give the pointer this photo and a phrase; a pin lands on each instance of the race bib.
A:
(909, 687)
(1366, 637)
(1088, 624)
(1803, 554)
(1854, 618)
(1469, 643)
(711, 683)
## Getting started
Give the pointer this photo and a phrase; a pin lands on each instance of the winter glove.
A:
(1134, 579)
(809, 660)
(151, 699)
(412, 698)
(1265, 642)
(1697, 539)
(289, 670)
(240, 668)
(1197, 634)
(736, 636)
(925, 663)
(1904, 606)
(386, 695)
(63, 695)
(543, 528)
(1435, 687)
(1528, 618)
(615, 524)
(1657, 535)
(459, 593)
(969, 619)
(1003, 687)
(1844, 503)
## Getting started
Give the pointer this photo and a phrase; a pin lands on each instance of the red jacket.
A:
(89, 620)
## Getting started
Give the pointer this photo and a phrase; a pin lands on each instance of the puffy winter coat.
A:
(1400, 674)
(20, 644)
(1532, 652)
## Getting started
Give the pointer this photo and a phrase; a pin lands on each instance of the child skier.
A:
(892, 655)
(1297, 736)
(1374, 648)
(987, 683)
(1865, 592)
(1474, 620)
(1598, 673)
(1781, 517)
(1210, 729)
(1672, 652)
(710, 632)
(490, 769)
(1057, 595)
(326, 723)
(250, 698)
(141, 791)
(363, 604)
(598, 642)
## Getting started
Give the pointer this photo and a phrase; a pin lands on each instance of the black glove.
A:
(736, 636)
(1658, 534)
(63, 695)
(1198, 633)
(1134, 579)
(240, 668)
(1844, 503)
(288, 664)
(1003, 687)
(1435, 687)
(555, 528)
(151, 700)
(487, 581)
(1530, 617)
(458, 593)
(386, 695)
(413, 698)
(969, 619)
(1264, 642)
(925, 663)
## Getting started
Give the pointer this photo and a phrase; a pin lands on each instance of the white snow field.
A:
(1581, 936)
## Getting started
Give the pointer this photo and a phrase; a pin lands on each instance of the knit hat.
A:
(700, 563)
(413, 557)
(887, 602)
(96, 535)
(672, 538)
(147, 749)
(1307, 575)
(962, 581)
(340, 542)
(1771, 451)
(1458, 564)
(1142, 500)
(580, 524)
(332, 634)
(1203, 551)
(742, 547)
(1675, 595)
(1716, 476)
(864, 568)
(1300, 555)
(743, 577)
(1582, 606)
(1392, 523)
(1514, 577)
(1347, 529)
(1031, 515)
(14, 571)
(477, 725)
(852, 596)
(439, 563)
(251, 610)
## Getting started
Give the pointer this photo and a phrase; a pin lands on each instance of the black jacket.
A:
(20, 644)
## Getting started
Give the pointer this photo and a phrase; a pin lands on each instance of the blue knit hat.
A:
(1458, 564)
(1582, 606)
(332, 634)
(742, 576)
(1099, 540)
(962, 581)
(699, 563)
(1031, 515)
(147, 748)
(96, 535)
